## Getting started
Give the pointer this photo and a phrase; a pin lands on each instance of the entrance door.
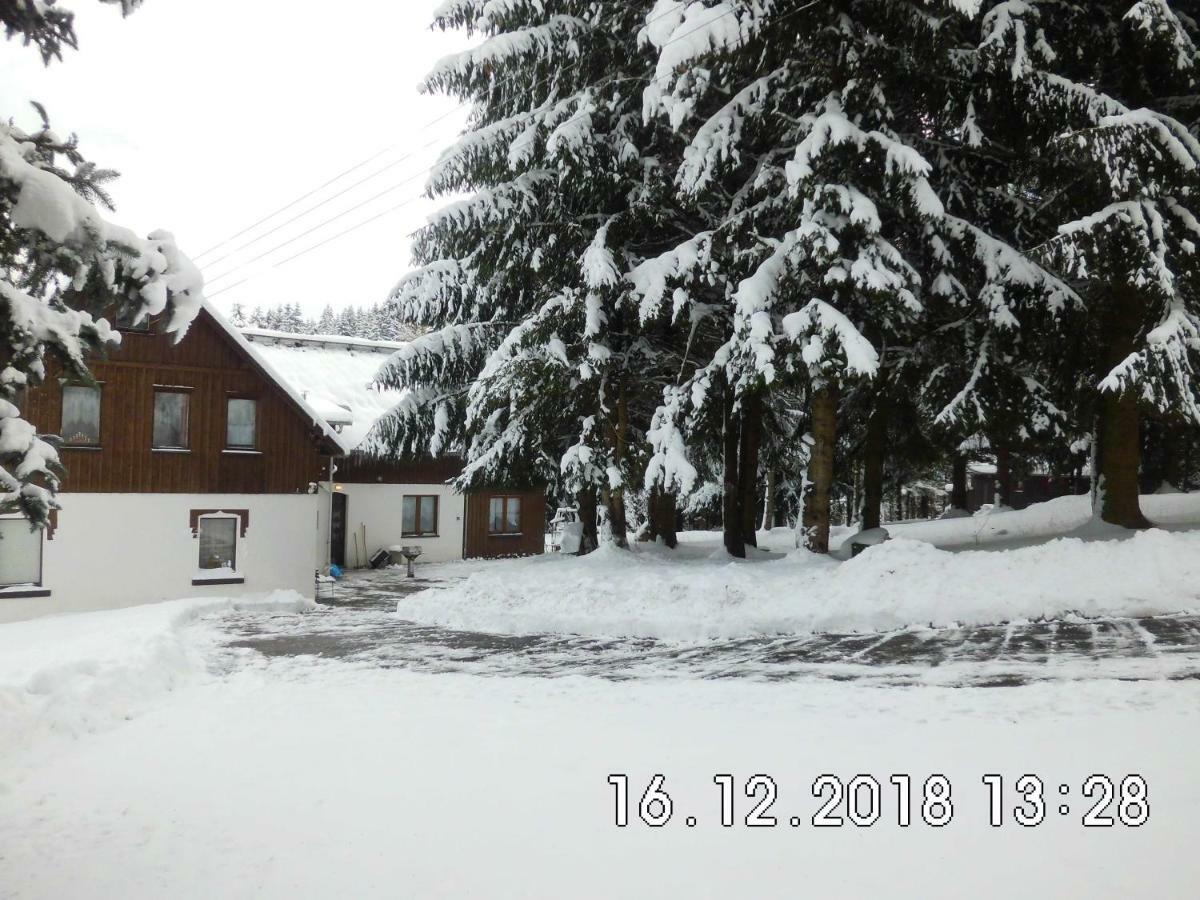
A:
(337, 530)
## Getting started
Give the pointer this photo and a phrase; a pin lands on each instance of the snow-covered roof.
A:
(284, 383)
(333, 375)
(332, 340)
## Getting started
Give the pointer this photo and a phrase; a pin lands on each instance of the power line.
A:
(365, 222)
(322, 224)
(295, 218)
(323, 185)
(542, 82)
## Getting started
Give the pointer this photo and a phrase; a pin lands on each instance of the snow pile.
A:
(79, 673)
(1054, 518)
(902, 583)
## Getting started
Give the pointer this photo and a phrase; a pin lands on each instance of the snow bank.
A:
(903, 583)
(1042, 520)
(77, 673)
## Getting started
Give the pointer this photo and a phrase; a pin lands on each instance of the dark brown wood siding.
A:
(532, 539)
(359, 469)
(289, 456)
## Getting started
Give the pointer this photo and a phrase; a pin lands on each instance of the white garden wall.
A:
(377, 507)
(115, 550)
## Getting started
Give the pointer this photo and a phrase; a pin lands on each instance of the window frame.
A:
(231, 448)
(186, 393)
(238, 524)
(124, 324)
(420, 500)
(28, 588)
(98, 387)
(504, 531)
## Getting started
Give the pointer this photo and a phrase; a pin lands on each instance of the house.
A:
(1027, 488)
(192, 469)
(379, 504)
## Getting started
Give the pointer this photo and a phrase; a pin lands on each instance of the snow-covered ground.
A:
(233, 775)
(1044, 562)
(203, 748)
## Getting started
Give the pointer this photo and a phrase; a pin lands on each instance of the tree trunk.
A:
(1174, 456)
(663, 517)
(768, 520)
(852, 499)
(751, 440)
(1118, 445)
(874, 452)
(958, 494)
(586, 502)
(820, 469)
(615, 497)
(1004, 483)
(1118, 456)
(731, 507)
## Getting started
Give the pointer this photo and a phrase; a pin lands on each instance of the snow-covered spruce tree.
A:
(537, 363)
(1099, 95)
(65, 274)
(827, 213)
(814, 128)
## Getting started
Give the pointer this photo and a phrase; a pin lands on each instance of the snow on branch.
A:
(826, 334)
(1164, 370)
(50, 207)
(832, 128)
(1159, 27)
(600, 269)
(684, 31)
(649, 279)
(717, 141)
(61, 253)
(432, 357)
(669, 466)
(504, 48)
(495, 205)
(434, 293)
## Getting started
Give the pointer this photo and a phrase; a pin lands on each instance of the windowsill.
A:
(22, 591)
(418, 537)
(234, 452)
(219, 579)
(170, 449)
(502, 534)
(92, 447)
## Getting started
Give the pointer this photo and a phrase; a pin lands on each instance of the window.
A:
(218, 544)
(20, 553)
(125, 322)
(504, 515)
(241, 421)
(419, 516)
(81, 415)
(171, 420)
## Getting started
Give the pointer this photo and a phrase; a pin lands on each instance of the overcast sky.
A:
(219, 112)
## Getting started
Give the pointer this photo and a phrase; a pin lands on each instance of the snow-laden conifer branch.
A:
(65, 271)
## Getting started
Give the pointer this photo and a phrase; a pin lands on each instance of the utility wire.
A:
(389, 210)
(357, 166)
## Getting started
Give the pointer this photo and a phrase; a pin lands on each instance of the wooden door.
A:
(337, 529)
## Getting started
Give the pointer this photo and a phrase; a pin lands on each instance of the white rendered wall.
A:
(377, 508)
(114, 550)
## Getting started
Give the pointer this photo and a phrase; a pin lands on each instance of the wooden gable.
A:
(291, 451)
